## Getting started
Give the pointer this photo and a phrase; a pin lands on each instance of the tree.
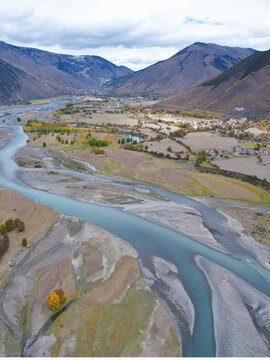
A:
(257, 146)
(241, 136)
(24, 242)
(56, 298)
(44, 144)
(54, 301)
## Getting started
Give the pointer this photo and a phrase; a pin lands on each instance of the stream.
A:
(155, 241)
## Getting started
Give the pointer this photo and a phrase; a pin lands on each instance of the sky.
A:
(133, 33)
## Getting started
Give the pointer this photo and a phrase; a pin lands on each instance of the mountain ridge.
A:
(240, 90)
(61, 72)
(188, 67)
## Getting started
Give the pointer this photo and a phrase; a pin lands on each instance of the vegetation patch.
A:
(111, 330)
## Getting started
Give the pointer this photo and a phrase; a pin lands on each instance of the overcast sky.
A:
(134, 33)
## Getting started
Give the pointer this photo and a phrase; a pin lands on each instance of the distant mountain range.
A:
(54, 73)
(189, 67)
(239, 78)
(242, 89)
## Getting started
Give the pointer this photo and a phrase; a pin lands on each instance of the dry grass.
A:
(118, 282)
(37, 219)
(113, 319)
(174, 176)
(100, 119)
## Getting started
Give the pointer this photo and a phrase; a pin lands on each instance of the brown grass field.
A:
(175, 176)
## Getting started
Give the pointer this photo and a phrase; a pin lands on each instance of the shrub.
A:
(4, 244)
(97, 150)
(10, 225)
(60, 292)
(20, 226)
(24, 242)
(3, 229)
(44, 144)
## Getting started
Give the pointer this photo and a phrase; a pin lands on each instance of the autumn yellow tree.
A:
(54, 301)
(56, 298)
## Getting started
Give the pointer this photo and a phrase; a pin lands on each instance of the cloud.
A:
(139, 31)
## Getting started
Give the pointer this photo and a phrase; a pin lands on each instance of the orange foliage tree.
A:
(56, 298)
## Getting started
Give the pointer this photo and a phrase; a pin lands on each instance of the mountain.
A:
(189, 67)
(241, 90)
(15, 84)
(62, 72)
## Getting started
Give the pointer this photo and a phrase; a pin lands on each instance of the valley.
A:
(96, 179)
(134, 205)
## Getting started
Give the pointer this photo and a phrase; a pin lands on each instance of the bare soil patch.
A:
(247, 165)
(163, 145)
(204, 140)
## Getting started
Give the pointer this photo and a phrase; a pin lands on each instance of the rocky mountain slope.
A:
(189, 67)
(16, 84)
(241, 90)
(60, 73)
